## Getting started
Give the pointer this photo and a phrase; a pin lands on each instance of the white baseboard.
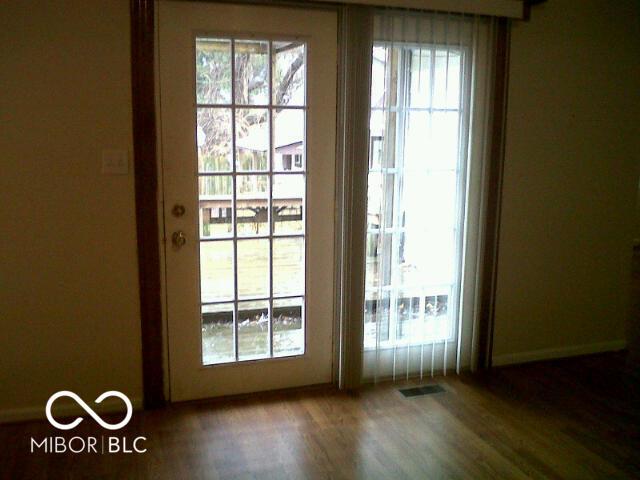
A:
(559, 352)
(61, 410)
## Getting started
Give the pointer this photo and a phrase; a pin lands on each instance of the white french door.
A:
(247, 102)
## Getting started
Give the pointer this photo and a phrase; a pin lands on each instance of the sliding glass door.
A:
(417, 194)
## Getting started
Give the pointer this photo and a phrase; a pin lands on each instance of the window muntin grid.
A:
(425, 81)
(262, 256)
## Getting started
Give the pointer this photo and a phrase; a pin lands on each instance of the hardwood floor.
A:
(576, 418)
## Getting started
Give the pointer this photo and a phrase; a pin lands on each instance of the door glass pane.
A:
(446, 91)
(438, 325)
(253, 330)
(253, 268)
(288, 266)
(376, 317)
(408, 315)
(428, 258)
(214, 139)
(217, 333)
(439, 148)
(252, 203)
(216, 271)
(213, 70)
(381, 189)
(288, 140)
(289, 73)
(288, 331)
(382, 127)
(252, 139)
(374, 200)
(378, 272)
(420, 92)
(216, 206)
(384, 76)
(288, 204)
(251, 72)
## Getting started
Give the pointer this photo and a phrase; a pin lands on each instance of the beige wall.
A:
(69, 313)
(571, 167)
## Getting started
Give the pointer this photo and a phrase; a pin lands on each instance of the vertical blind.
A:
(430, 77)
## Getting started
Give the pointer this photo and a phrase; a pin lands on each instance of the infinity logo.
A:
(89, 410)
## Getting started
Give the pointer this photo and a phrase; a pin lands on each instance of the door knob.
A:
(178, 239)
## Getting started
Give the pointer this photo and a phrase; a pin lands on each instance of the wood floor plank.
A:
(576, 418)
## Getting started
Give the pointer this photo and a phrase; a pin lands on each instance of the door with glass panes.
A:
(247, 102)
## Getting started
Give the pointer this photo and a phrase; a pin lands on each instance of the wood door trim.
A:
(491, 240)
(146, 197)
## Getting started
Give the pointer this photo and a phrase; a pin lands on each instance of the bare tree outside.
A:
(213, 86)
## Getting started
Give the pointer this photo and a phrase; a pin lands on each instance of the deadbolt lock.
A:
(178, 210)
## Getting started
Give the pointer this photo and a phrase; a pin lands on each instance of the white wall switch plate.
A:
(115, 162)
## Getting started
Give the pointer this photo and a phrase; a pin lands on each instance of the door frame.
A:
(143, 98)
(146, 176)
